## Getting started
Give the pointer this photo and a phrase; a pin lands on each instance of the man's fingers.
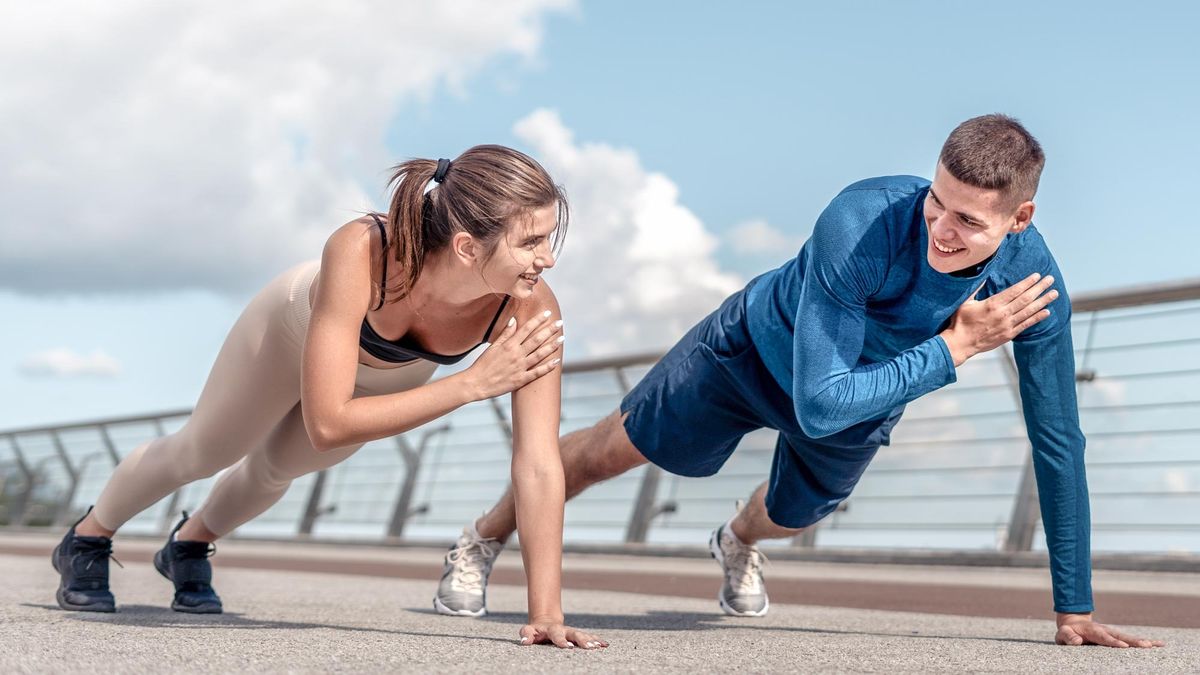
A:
(1036, 306)
(1135, 641)
(1035, 319)
(1100, 635)
(1009, 294)
(1030, 295)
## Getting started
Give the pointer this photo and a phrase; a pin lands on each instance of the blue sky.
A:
(754, 112)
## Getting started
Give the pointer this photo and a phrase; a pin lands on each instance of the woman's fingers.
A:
(531, 325)
(585, 640)
(542, 336)
(544, 352)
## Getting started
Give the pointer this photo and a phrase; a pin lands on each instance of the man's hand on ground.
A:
(982, 325)
(1079, 629)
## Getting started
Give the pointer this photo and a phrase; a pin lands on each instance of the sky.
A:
(159, 163)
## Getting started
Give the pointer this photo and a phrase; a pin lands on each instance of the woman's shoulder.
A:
(357, 241)
(543, 299)
(524, 309)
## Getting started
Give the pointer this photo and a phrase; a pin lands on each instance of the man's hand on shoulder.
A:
(982, 325)
(1079, 629)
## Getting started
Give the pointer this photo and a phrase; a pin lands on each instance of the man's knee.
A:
(607, 451)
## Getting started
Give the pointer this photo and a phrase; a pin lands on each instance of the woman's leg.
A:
(263, 476)
(254, 382)
(261, 479)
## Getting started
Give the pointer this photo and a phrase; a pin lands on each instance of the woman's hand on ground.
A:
(560, 635)
(518, 356)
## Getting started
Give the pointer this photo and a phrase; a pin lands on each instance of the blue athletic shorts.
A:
(689, 412)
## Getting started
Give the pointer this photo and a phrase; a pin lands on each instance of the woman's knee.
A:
(192, 459)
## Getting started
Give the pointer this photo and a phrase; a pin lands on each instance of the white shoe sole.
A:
(442, 609)
(714, 549)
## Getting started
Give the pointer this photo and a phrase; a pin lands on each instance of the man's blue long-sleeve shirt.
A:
(850, 328)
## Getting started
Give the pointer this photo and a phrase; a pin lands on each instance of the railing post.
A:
(403, 510)
(25, 496)
(62, 512)
(1025, 511)
(109, 446)
(313, 510)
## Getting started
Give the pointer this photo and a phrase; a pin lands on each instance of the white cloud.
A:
(66, 363)
(638, 269)
(172, 145)
(758, 237)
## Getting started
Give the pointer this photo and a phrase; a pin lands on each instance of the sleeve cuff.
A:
(947, 359)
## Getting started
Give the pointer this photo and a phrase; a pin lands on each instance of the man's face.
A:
(966, 224)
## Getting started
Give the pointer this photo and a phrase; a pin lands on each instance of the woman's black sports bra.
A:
(400, 351)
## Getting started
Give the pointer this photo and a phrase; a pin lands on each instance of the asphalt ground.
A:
(360, 609)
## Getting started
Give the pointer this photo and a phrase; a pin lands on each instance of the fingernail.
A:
(558, 324)
(512, 322)
(555, 362)
(560, 339)
(546, 314)
(571, 645)
(524, 639)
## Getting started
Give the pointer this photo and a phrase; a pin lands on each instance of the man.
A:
(901, 282)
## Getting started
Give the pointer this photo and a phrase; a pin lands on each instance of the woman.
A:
(333, 354)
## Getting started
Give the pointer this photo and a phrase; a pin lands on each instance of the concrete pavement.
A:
(307, 621)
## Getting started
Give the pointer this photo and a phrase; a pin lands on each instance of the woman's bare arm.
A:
(539, 491)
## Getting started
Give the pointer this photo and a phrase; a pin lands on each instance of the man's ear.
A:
(464, 247)
(1024, 216)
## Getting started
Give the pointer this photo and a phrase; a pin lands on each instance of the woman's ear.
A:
(464, 247)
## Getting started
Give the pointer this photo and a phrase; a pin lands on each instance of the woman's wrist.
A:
(546, 617)
(465, 388)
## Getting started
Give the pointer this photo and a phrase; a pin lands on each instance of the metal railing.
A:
(957, 475)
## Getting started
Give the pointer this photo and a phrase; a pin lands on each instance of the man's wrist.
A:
(958, 354)
(1065, 618)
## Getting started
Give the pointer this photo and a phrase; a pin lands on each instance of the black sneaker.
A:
(186, 564)
(82, 564)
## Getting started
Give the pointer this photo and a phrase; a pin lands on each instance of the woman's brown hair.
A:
(484, 190)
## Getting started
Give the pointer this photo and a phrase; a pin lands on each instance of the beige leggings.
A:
(248, 413)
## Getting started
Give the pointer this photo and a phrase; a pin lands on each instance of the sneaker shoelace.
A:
(745, 565)
(194, 550)
(472, 561)
(92, 554)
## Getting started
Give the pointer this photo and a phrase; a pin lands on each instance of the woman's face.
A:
(516, 266)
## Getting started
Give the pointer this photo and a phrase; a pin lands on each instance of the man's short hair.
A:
(994, 152)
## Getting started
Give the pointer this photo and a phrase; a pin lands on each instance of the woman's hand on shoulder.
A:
(529, 347)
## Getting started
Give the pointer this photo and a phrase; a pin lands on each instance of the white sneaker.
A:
(463, 588)
(743, 592)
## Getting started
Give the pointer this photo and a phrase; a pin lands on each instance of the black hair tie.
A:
(442, 169)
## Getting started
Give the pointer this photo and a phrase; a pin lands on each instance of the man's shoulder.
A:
(897, 185)
(1028, 254)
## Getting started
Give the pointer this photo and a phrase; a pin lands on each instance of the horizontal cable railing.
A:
(959, 452)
